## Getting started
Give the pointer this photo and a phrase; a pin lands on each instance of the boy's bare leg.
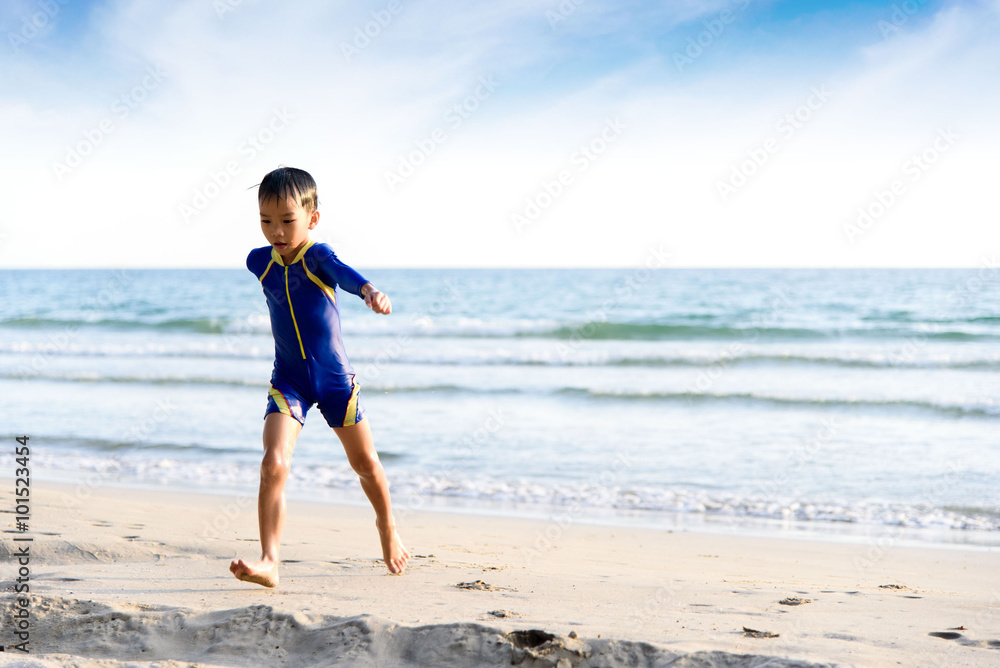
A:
(280, 434)
(360, 449)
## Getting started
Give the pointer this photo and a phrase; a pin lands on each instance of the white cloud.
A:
(353, 120)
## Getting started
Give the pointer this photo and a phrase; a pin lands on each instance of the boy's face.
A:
(286, 225)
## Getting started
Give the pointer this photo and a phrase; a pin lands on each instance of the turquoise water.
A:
(865, 399)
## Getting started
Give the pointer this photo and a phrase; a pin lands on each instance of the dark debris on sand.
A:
(501, 614)
(754, 633)
(479, 585)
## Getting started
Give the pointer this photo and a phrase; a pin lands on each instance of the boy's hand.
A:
(377, 301)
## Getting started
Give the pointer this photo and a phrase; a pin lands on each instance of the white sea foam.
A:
(379, 346)
(412, 489)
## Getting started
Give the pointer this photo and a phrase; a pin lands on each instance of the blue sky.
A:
(504, 133)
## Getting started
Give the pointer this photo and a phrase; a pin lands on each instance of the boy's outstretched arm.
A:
(375, 300)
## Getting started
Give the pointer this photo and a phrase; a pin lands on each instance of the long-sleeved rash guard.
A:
(302, 299)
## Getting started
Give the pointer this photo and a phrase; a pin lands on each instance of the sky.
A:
(506, 133)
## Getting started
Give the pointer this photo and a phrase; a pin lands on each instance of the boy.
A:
(299, 278)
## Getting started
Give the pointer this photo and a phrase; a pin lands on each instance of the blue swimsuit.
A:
(310, 364)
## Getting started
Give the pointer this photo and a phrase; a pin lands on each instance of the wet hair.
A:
(285, 182)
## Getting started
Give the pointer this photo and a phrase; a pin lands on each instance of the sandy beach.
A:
(137, 577)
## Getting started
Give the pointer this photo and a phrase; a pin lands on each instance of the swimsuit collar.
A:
(298, 256)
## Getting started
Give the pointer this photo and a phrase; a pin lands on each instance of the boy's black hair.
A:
(285, 182)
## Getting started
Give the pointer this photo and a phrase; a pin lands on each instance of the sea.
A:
(843, 404)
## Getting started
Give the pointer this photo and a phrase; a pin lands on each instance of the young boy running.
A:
(299, 278)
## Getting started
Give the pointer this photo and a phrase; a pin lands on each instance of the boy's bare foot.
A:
(393, 551)
(263, 572)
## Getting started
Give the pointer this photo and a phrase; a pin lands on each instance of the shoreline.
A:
(840, 532)
(138, 556)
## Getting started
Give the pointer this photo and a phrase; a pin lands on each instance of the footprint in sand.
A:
(966, 642)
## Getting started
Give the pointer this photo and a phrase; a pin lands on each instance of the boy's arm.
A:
(332, 270)
(256, 261)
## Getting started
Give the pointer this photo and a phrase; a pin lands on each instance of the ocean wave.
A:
(200, 325)
(683, 328)
(980, 410)
(198, 349)
(757, 505)
(629, 331)
(410, 487)
(132, 448)
(552, 356)
(867, 361)
(125, 445)
(623, 331)
(141, 379)
(227, 381)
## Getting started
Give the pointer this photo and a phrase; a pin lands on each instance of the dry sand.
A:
(122, 577)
